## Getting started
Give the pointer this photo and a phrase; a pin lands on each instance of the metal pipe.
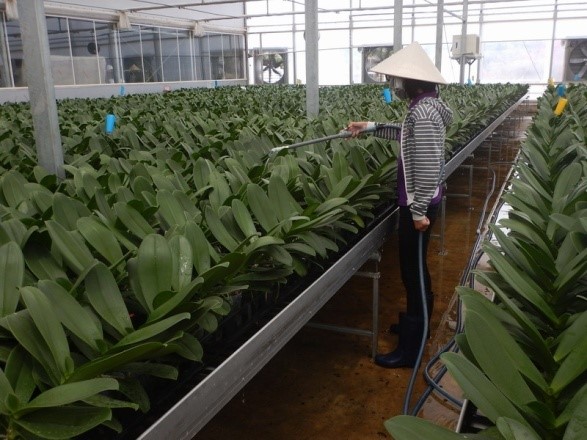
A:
(439, 31)
(554, 19)
(342, 134)
(463, 58)
(312, 59)
(398, 12)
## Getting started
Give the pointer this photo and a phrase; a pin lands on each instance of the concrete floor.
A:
(324, 385)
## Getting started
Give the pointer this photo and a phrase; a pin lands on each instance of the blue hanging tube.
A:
(386, 95)
(110, 123)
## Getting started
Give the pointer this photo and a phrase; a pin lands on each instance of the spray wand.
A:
(340, 135)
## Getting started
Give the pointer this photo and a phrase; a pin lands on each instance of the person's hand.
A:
(422, 225)
(355, 128)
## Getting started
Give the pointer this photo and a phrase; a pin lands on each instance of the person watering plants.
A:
(420, 169)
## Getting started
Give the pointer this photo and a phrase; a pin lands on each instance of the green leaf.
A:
(42, 264)
(577, 427)
(135, 392)
(43, 314)
(11, 277)
(14, 230)
(219, 231)
(481, 331)
(100, 238)
(482, 392)
(188, 347)
(72, 314)
(5, 390)
(13, 188)
(573, 366)
(154, 266)
(513, 430)
(300, 248)
(521, 283)
(170, 209)
(64, 422)
(176, 300)
(575, 270)
(113, 362)
(134, 282)
(281, 199)
(104, 206)
(483, 324)
(243, 218)
(412, 428)
(133, 220)
(541, 351)
(151, 330)
(521, 226)
(221, 190)
(71, 246)
(105, 298)
(151, 369)
(330, 204)
(102, 401)
(19, 372)
(21, 325)
(261, 207)
(576, 409)
(182, 262)
(67, 211)
(571, 337)
(69, 393)
(200, 247)
(565, 183)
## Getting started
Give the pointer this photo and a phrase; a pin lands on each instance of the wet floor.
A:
(323, 384)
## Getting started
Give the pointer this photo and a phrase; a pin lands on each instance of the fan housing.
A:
(373, 55)
(576, 60)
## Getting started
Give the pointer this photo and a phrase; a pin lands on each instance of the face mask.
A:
(397, 87)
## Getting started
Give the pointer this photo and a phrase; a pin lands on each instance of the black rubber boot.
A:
(408, 347)
(394, 328)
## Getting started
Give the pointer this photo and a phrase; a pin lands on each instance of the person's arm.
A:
(428, 163)
(381, 130)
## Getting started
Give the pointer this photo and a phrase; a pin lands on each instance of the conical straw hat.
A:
(410, 62)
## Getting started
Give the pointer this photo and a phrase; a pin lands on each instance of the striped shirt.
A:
(421, 161)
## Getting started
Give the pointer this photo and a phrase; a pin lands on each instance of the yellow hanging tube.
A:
(560, 106)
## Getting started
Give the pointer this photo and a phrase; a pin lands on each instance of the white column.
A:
(463, 60)
(439, 28)
(37, 70)
(312, 91)
(398, 13)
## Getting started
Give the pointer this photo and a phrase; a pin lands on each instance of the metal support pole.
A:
(37, 70)
(443, 250)
(351, 55)
(463, 59)
(312, 91)
(439, 26)
(554, 22)
(398, 13)
(7, 80)
(294, 45)
(481, 22)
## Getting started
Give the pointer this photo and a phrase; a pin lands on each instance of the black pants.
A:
(409, 261)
